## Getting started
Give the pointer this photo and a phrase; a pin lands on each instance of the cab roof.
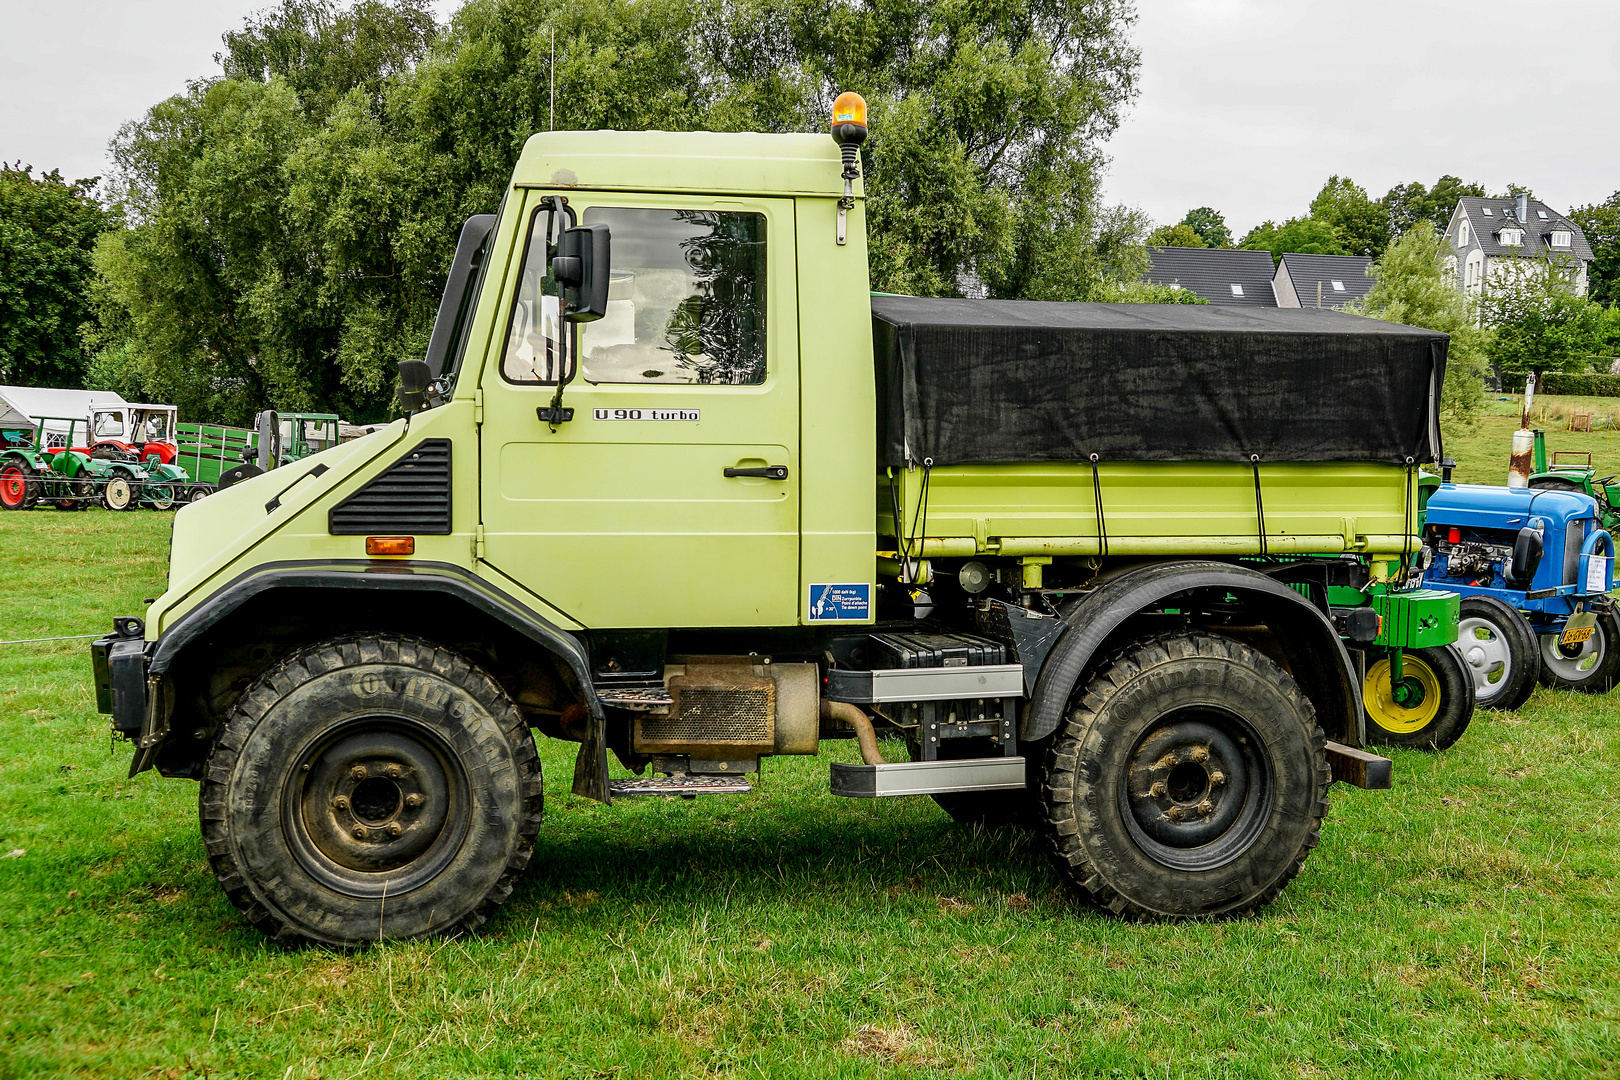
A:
(710, 162)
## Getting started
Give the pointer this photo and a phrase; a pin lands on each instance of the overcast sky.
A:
(1246, 105)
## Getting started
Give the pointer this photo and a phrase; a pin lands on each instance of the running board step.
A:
(685, 786)
(927, 777)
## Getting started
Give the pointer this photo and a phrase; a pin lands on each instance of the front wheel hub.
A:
(377, 798)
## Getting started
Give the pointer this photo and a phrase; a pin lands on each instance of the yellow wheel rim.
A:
(1379, 697)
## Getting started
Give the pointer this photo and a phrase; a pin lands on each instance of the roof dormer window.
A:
(1560, 238)
(1512, 237)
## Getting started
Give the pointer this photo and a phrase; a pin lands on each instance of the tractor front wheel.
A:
(1187, 780)
(1591, 665)
(18, 488)
(371, 787)
(117, 494)
(1429, 708)
(1501, 651)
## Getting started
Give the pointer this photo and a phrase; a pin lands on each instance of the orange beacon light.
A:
(848, 131)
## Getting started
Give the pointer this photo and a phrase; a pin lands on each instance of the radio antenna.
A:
(553, 66)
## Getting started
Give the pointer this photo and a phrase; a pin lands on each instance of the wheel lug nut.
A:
(359, 832)
(357, 773)
(1216, 777)
(1157, 790)
(395, 772)
(394, 829)
(413, 800)
(1206, 808)
(340, 803)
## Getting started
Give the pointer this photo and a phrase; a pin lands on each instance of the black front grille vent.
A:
(410, 497)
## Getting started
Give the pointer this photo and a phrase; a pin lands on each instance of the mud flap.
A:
(590, 765)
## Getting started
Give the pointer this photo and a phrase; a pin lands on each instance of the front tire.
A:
(116, 494)
(1187, 780)
(1433, 706)
(1501, 651)
(1591, 666)
(371, 787)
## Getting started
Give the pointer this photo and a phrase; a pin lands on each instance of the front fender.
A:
(1096, 627)
(343, 583)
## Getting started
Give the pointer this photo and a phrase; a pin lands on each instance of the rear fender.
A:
(1300, 635)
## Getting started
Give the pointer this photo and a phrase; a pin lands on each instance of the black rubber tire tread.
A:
(1524, 649)
(995, 809)
(1602, 678)
(1456, 704)
(1099, 862)
(304, 667)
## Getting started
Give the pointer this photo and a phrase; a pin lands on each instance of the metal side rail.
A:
(926, 684)
(927, 777)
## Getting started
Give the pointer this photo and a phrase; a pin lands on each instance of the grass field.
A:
(1464, 924)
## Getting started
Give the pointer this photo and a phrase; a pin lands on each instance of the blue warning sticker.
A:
(835, 603)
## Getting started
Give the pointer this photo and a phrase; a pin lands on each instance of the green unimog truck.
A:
(675, 487)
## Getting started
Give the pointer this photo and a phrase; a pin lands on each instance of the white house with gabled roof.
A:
(1483, 233)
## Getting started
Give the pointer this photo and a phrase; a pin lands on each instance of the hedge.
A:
(1594, 385)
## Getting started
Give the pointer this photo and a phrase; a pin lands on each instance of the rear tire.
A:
(1591, 667)
(1432, 721)
(198, 494)
(371, 787)
(18, 488)
(1501, 651)
(1187, 780)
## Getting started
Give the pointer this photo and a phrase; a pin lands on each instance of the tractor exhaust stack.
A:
(1522, 458)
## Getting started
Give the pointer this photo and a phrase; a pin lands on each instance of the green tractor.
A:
(1569, 470)
(33, 472)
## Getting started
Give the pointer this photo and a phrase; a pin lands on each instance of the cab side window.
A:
(686, 303)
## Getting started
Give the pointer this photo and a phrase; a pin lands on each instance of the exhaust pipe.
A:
(865, 734)
(1521, 459)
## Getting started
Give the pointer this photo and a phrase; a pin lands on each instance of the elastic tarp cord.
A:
(1407, 523)
(1096, 496)
(1259, 505)
(919, 520)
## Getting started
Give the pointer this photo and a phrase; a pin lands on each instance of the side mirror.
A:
(414, 379)
(582, 264)
(1527, 548)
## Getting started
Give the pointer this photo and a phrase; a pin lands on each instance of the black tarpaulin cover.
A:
(964, 381)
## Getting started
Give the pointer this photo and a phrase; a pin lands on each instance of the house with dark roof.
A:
(1218, 275)
(1328, 281)
(1483, 234)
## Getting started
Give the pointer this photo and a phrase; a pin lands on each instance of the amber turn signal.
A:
(390, 545)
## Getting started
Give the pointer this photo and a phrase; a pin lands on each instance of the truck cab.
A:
(644, 501)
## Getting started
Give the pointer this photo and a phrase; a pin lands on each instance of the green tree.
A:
(1412, 285)
(1405, 205)
(1601, 224)
(1540, 322)
(48, 229)
(1361, 225)
(1303, 236)
(1209, 224)
(292, 219)
(1180, 235)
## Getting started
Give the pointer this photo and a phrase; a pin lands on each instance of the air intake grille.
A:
(411, 497)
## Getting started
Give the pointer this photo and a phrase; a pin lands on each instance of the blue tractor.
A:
(1533, 568)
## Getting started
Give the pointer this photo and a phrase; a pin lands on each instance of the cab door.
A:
(671, 498)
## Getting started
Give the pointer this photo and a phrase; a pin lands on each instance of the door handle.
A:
(764, 472)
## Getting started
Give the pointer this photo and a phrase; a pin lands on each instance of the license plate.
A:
(1576, 634)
